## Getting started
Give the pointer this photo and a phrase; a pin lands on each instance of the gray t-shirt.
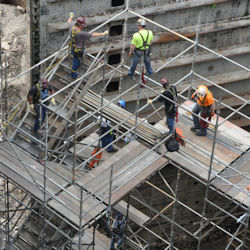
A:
(80, 37)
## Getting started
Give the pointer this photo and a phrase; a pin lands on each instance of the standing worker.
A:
(170, 107)
(77, 43)
(140, 46)
(118, 231)
(109, 137)
(205, 106)
(35, 93)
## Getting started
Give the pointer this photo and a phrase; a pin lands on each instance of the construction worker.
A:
(109, 137)
(36, 93)
(77, 43)
(140, 46)
(205, 106)
(118, 231)
(170, 107)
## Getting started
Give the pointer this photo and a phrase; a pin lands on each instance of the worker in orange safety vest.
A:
(205, 106)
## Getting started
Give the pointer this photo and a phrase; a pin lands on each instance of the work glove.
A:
(212, 114)
(71, 14)
(53, 101)
(105, 32)
(150, 101)
(193, 96)
(32, 107)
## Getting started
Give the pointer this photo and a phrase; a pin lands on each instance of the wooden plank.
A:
(133, 214)
(136, 180)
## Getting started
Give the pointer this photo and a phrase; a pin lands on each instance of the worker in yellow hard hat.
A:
(140, 46)
(77, 41)
(205, 106)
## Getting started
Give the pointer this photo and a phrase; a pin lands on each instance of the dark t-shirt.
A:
(33, 92)
(80, 37)
(169, 106)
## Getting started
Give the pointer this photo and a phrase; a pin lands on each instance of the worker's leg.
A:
(196, 110)
(108, 138)
(75, 66)
(148, 64)
(37, 110)
(120, 241)
(112, 244)
(135, 59)
(170, 123)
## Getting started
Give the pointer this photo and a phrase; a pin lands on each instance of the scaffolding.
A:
(75, 115)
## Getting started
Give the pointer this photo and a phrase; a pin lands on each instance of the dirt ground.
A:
(14, 26)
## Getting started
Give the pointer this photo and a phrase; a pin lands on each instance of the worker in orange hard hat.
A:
(140, 46)
(205, 106)
(40, 91)
(77, 41)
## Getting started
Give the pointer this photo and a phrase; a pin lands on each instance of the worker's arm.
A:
(71, 17)
(29, 98)
(132, 48)
(194, 94)
(212, 108)
(96, 34)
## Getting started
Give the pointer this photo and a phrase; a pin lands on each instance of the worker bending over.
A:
(77, 41)
(170, 107)
(36, 93)
(140, 46)
(205, 106)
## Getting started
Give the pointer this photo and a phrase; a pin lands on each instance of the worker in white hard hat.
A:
(140, 46)
(205, 106)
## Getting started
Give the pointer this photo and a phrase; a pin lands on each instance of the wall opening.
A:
(113, 86)
(115, 3)
(114, 59)
(115, 30)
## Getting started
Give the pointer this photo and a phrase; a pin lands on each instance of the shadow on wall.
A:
(21, 3)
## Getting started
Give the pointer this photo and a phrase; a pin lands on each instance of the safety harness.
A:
(72, 43)
(144, 42)
(172, 90)
(205, 110)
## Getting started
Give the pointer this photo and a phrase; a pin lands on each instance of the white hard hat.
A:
(141, 22)
(201, 91)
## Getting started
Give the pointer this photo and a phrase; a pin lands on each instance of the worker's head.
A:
(202, 90)
(164, 82)
(80, 22)
(121, 103)
(141, 23)
(44, 83)
(119, 216)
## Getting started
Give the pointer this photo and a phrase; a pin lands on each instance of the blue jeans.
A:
(170, 123)
(196, 109)
(107, 139)
(37, 110)
(135, 59)
(75, 63)
(120, 240)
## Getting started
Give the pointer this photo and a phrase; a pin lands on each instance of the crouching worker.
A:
(36, 93)
(118, 231)
(205, 106)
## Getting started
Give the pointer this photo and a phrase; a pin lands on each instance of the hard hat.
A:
(80, 21)
(164, 81)
(121, 103)
(141, 22)
(201, 91)
(44, 82)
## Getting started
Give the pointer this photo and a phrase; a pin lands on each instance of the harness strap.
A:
(174, 93)
(145, 42)
(73, 40)
(38, 91)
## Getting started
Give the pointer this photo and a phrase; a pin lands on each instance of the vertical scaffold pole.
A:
(194, 54)
(80, 220)
(209, 175)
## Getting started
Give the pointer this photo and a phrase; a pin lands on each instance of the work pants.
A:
(196, 109)
(76, 63)
(120, 240)
(170, 123)
(107, 139)
(135, 59)
(43, 112)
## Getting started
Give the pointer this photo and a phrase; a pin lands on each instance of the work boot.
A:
(193, 129)
(200, 132)
(113, 150)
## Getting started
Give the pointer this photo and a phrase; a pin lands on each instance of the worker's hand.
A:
(130, 54)
(193, 96)
(32, 107)
(72, 15)
(105, 32)
(53, 101)
(150, 101)
(212, 114)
